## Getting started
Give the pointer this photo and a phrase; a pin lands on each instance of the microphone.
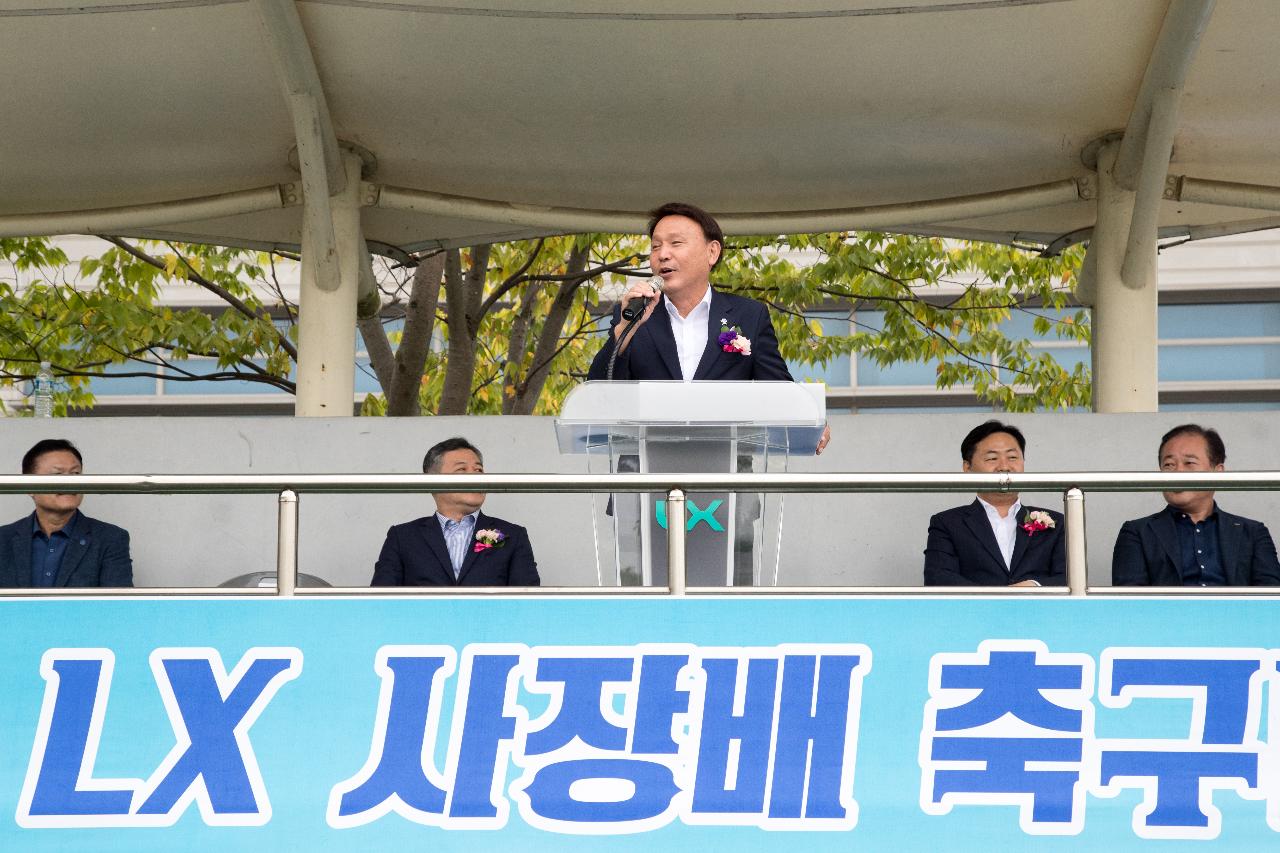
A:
(636, 305)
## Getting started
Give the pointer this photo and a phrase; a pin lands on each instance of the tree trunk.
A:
(400, 372)
(378, 346)
(415, 341)
(463, 293)
(369, 324)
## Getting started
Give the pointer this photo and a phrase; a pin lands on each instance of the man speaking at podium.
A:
(679, 328)
(698, 332)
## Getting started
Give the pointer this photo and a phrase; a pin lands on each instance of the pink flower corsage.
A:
(732, 340)
(1037, 520)
(486, 539)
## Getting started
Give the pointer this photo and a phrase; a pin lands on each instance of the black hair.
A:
(978, 433)
(711, 229)
(48, 445)
(435, 456)
(1217, 450)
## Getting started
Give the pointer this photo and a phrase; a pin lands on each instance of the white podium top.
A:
(595, 410)
(713, 403)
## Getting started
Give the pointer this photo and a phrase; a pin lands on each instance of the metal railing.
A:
(288, 487)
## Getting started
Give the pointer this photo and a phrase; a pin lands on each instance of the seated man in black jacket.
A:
(57, 545)
(457, 545)
(995, 541)
(1192, 542)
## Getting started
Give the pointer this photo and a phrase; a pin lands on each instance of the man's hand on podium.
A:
(826, 438)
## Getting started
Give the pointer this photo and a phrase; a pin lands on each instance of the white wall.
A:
(203, 540)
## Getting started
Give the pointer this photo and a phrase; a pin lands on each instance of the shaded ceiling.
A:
(759, 107)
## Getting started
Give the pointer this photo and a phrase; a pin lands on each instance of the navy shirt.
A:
(47, 551)
(1201, 562)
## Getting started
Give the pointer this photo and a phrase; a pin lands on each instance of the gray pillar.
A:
(327, 310)
(1124, 310)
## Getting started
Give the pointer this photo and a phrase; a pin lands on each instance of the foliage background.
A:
(510, 328)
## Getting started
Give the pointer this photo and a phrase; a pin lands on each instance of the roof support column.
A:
(327, 307)
(1124, 308)
(1120, 271)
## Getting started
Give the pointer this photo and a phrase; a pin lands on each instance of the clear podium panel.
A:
(730, 539)
(691, 428)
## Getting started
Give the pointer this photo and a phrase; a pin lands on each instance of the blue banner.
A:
(639, 723)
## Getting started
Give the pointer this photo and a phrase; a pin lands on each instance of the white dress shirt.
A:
(1005, 529)
(690, 334)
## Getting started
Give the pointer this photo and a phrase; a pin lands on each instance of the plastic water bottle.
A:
(42, 392)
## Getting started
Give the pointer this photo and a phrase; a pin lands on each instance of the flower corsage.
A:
(1037, 520)
(732, 340)
(486, 539)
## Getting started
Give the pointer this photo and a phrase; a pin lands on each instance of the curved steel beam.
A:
(319, 157)
(870, 217)
(1226, 193)
(1181, 233)
(1140, 242)
(1166, 73)
(298, 75)
(1199, 191)
(109, 220)
(146, 219)
(1143, 159)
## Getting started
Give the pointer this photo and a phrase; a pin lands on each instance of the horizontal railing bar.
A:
(910, 591)
(428, 591)
(1184, 591)
(1095, 592)
(1125, 481)
(484, 591)
(137, 592)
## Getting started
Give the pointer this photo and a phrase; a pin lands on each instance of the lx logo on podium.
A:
(697, 515)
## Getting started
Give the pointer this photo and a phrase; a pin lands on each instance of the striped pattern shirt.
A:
(457, 537)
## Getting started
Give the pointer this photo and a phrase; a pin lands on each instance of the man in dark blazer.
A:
(57, 545)
(1193, 542)
(690, 330)
(995, 541)
(458, 545)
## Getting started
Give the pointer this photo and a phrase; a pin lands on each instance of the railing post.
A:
(287, 544)
(1077, 558)
(675, 541)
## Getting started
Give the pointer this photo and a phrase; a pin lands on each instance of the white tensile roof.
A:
(488, 119)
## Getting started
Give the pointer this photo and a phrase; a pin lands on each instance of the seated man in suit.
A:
(699, 332)
(995, 541)
(57, 545)
(1192, 542)
(458, 545)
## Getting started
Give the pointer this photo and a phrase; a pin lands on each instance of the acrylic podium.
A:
(690, 427)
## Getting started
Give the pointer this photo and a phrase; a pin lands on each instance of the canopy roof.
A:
(489, 119)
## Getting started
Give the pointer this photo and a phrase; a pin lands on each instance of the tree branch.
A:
(616, 266)
(512, 280)
(279, 291)
(216, 289)
(548, 345)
